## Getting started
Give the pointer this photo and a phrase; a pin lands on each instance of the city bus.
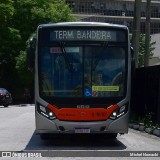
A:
(82, 78)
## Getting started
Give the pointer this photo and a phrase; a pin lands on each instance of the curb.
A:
(142, 128)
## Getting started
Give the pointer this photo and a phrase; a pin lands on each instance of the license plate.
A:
(82, 130)
(7, 96)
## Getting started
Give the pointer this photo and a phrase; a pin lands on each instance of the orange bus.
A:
(82, 78)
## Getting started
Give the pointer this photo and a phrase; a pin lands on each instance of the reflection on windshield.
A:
(93, 73)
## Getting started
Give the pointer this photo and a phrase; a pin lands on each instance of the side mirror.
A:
(133, 70)
(132, 59)
(31, 52)
(132, 54)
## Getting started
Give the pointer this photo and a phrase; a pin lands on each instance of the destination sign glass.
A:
(87, 35)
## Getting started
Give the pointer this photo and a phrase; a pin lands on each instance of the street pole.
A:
(136, 30)
(147, 33)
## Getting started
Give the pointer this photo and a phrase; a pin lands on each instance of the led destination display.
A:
(86, 35)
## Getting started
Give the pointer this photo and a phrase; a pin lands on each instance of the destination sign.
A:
(86, 35)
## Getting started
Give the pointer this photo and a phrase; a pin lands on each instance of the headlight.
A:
(113, 115)
(119, 112)
(50, 114)
(44, 111)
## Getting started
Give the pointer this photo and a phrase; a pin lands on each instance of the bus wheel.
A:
(44, 136)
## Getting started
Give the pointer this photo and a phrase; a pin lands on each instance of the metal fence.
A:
(146, 93)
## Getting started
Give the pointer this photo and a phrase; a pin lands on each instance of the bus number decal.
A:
(99, 114)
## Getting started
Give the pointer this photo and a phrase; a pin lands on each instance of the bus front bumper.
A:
(43, 125)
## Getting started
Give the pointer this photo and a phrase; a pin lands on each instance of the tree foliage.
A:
(30, 13)
(9, 39)
(142, 50)
(19, 19)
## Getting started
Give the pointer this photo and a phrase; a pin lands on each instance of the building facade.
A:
(119, 12)
(115, 11)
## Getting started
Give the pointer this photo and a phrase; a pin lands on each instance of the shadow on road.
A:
(74, 142)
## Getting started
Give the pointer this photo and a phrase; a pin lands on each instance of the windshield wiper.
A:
(104, 45)
(65, 56)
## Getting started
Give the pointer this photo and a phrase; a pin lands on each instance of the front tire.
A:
(5, 105)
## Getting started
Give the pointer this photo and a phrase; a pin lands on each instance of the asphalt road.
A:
(17, 126)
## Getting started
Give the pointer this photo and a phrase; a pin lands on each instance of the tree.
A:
(29, 14)
(9, 39)
(19, 19)
(142, 49)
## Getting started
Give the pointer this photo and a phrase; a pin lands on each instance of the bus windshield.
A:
(82, 70)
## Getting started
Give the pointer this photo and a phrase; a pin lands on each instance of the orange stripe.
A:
(83, 114)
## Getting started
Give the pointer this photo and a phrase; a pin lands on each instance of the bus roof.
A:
(83, 24)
